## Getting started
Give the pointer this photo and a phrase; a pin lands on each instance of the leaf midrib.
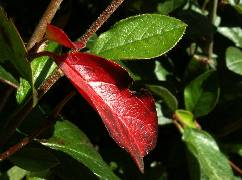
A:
(152, 36)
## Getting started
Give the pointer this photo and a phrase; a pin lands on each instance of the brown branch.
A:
(236, 168)
(47, 17)
(48, 83)
(230, 128)
(99, 22)
(39, 131)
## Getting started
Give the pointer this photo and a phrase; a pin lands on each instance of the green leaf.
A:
(162, 120)
(6, 77)
(34, 159)
(70, 140)
(12, 47)
(42, 68)
(234, 60)
(163, 93)
(238, 7)
(169, 5)
(140, 37)
(14, 173)
(236, 4)
(202, 94)
(186, 118)
(234, 34)
(212, 161)
(69, 168)
(160, 72)
(195, 170)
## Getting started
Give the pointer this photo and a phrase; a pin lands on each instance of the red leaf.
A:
(58, 35)
(129, 117)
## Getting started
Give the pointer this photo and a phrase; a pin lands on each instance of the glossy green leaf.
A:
(70, 140)
(186, 118)
(140, 37)
(42, 68)
(169, 5)
(234, 60)
(232, 33)
(163, 93)
(202, 94)
(211, 160)
(12, 47)
(6, 77)
(34, 159)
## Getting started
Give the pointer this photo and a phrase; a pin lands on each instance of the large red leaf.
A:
(129, 117)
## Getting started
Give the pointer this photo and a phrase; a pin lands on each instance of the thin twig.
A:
(236, 168)
(49, 82)
(99, 22)
(39, 131)
(230, 128)
(46, 19)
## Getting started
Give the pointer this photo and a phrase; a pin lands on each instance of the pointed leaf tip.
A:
(56, 34)
(130, 117)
